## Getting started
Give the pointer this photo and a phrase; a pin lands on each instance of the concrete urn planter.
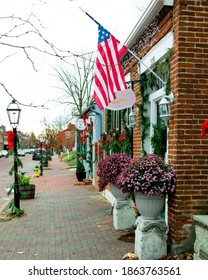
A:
(149, 207)
(117, 193)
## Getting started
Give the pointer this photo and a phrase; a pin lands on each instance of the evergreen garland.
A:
(159, 140)
(151, 81)
(144, 121)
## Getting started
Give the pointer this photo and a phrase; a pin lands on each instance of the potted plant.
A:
(149, 178)
(109, 169)
(80, 170)
(26, 189)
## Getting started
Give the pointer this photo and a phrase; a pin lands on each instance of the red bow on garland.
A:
(10, 140)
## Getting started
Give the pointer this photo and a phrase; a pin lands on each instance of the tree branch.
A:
(22, 104)
(20, 29)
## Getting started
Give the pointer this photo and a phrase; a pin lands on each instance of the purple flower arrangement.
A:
(149, 175)
(110, 167)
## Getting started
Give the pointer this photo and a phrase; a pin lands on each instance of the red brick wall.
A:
(136, 130)
(189, 75)
(164, 26)
(187, 152)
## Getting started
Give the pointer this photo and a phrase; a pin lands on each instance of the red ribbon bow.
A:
(10, 140)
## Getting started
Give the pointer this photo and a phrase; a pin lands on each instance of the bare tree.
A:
(76, 83)
(49, 133)
(61, 122)
(27, 36)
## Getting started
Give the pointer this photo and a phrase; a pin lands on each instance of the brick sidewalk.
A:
(64, 221)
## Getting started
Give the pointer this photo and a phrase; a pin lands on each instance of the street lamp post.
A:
(41, 155)
(13, 112)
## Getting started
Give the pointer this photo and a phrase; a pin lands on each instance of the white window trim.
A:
(157, 52)
(154, 98)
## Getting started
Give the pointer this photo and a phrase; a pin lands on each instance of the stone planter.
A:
(149, 207)
(201, 240)
(123, 209)
(27, 192)
(117, 193)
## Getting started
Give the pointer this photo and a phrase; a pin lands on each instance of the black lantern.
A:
(13, 111)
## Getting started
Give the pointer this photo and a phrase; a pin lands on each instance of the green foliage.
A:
(144, 121)
(72, 162)
(151, 81)
(117, 142)
(60, 149)
(14, 211)
(89, 158)
(80, 166)
(49, 154)
(16, 158)
(23, 180)
(11, 187)
(159, 140)
(44, 162)
(70, 158)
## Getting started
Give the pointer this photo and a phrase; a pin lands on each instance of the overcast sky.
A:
(68, 28)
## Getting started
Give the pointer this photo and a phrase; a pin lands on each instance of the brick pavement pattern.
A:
(65, 221)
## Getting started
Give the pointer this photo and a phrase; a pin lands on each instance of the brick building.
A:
(3, 138)
(171, 38)
(66, 138)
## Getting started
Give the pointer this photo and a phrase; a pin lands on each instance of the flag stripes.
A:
(109, 76)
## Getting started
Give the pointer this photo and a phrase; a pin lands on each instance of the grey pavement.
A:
(65, 221)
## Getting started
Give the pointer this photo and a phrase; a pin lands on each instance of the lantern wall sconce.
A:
(132, 117)
(164, 107)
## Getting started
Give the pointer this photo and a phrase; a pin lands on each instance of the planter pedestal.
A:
(123, 214)
(150, 238)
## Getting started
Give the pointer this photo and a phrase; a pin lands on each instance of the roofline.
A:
(154, 7)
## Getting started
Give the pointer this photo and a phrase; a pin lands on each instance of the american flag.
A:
(109, 75)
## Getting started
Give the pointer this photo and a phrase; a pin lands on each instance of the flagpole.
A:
(129, 51)
(90, 16)
(146, 66)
